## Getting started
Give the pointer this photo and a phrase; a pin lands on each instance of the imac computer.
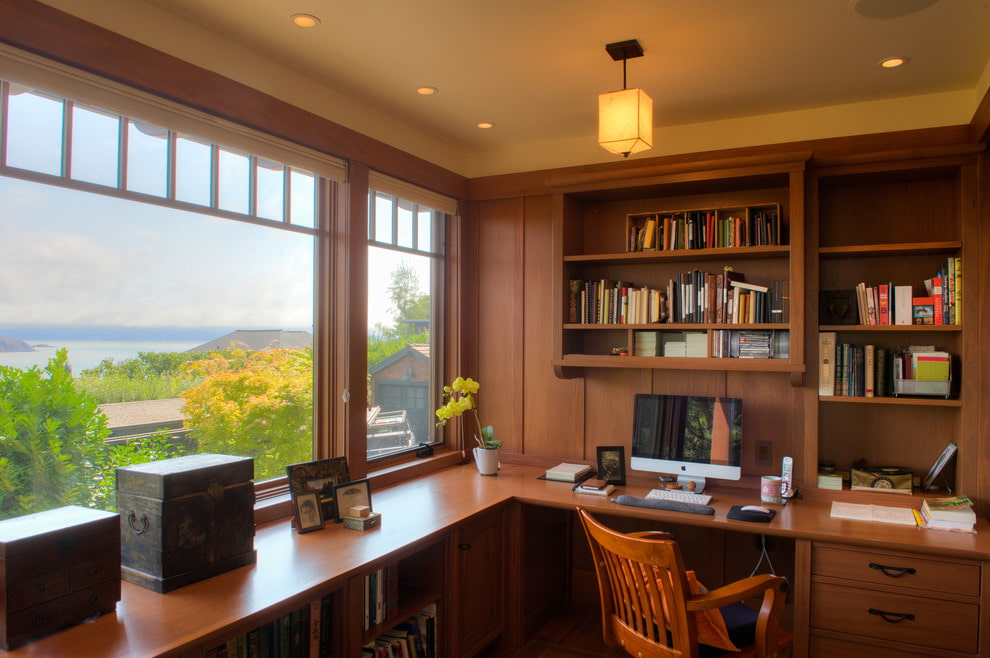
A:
(691, 437)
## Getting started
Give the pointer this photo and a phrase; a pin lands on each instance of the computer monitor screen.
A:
(691, 437)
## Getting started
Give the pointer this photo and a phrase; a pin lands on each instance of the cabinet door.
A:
(478, 592)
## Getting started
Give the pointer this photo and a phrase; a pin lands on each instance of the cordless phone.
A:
(786, 473)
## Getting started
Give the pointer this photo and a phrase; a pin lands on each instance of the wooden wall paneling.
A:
(608, 407)
(501, 295)
(976, 321)
(772, 414)
(552, 407)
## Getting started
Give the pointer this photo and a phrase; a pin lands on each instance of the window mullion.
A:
(171, 165)
(4, 95)
(66, 168)
(214, 176)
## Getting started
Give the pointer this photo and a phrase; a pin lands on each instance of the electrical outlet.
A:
(764, 453)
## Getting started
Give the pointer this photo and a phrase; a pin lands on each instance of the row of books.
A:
(955, 514)
(594, 487)
(694, 297)
(704, 229)
(889, 304)
(303, 633)
(871, 371)
(381, 595)
(414, 638)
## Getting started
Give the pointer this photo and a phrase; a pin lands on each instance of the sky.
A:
(69, 257)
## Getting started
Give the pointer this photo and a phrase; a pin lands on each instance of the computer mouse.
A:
(756, 508)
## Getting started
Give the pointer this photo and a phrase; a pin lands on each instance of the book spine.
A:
(869, 368)
(826, 369)
(937, 300)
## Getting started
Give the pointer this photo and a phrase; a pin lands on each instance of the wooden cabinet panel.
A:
(480, 574)
(897, 569)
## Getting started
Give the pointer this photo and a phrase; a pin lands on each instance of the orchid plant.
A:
(462, 396)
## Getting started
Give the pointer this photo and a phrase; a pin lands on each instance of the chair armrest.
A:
(737, 591)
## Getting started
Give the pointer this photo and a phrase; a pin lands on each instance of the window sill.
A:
(274, 503)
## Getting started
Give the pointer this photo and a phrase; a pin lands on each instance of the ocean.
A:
(85, 354)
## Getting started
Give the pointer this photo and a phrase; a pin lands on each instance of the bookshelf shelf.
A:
(893, 328)
(898, 401)
(896, 249)
(676, 363)
(682, 255)
(678, 326)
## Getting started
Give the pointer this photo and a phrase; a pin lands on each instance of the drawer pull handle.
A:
(138, 526)
(464, 546)
(893, 572)
(891, 617)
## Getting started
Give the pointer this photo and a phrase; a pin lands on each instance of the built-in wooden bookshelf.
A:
(878, 222)
(598, 238)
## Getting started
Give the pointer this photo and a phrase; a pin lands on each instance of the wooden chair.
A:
(648, 608)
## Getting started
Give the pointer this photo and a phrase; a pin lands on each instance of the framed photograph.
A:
(352, 494)
(320, 476)
(309, 516)
(938, 467)
(612, 464)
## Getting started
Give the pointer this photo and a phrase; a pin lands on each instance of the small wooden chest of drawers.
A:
(57, 568)
(900, 602)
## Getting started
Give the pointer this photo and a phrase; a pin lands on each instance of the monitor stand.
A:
(699, 482)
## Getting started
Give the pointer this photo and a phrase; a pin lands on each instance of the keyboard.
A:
(679, 496)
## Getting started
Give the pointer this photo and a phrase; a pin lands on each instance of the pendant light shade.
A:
(625, 117)
(625, 121)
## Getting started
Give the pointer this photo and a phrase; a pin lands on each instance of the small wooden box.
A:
(57, 568)
(186, 519)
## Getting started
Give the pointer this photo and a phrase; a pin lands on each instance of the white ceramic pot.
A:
(486, 461)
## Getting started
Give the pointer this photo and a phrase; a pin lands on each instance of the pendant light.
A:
(625, 117)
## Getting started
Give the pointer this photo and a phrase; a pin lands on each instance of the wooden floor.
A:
(575, 633)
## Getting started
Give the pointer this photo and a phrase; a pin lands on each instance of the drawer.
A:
(830, 647)
(58, 613)
(38, 589)
(933, 622)
(900, 569)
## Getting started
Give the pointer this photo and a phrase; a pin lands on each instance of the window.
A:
(405, 273)
(179, 277)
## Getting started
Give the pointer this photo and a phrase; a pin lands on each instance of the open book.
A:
(876, 513)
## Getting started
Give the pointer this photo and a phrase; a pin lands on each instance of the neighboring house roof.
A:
(146, 412)
(257, 339)
(420, 351)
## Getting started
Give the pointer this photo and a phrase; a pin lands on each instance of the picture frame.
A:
(612, 464)
(352, 494)
(937, 468)
(307, 511)
(321, 476)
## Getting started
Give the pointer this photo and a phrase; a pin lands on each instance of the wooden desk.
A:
(424, 515)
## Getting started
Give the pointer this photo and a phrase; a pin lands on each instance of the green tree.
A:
(51, 439)
(254, 404)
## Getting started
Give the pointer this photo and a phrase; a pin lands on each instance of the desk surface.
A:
(293, 569)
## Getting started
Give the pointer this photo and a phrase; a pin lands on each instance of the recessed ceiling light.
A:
(486, 124)
(893, 62)
(427, 91)
(305, 20)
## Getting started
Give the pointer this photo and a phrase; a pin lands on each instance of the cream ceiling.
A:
(722, 73)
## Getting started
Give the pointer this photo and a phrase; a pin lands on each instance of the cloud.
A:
(77, 258)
